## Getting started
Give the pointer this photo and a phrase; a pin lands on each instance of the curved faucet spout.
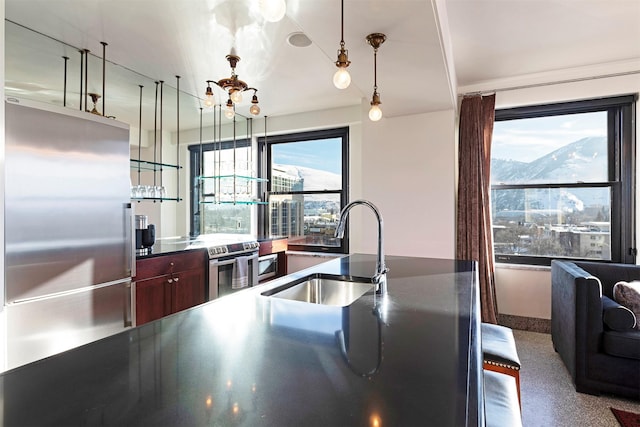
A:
(379, 278)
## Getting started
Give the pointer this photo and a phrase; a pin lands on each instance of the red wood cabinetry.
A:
(166, 284)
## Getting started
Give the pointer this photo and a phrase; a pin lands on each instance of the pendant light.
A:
(229, 112)
(342, 79)
(375, 40)
(272, 10)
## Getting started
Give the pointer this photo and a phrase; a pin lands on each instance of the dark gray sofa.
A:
(600, 360)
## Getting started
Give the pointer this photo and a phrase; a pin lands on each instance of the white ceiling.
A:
(430, 45)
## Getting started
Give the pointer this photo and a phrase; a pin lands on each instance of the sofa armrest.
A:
(576, 315)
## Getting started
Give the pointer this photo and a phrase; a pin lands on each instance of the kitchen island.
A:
(411, 357)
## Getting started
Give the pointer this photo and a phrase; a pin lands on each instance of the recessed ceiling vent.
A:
(298, 39)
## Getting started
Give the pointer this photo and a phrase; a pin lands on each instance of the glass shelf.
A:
(157, 199)
(151, 166)
(238, 202)
(248, 178)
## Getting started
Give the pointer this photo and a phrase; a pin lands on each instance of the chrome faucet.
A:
(380, 276)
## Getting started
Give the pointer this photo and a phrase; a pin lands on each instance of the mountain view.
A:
(584, 160)
(568, 221)
(314, 179)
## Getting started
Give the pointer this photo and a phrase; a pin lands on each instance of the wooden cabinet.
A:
(166, 284)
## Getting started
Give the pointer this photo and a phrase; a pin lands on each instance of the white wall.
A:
(523, 291)
(408, 172)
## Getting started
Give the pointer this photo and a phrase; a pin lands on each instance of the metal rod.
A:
(81, 75)
(161, 109)
(104, 59)
(234, 159)
(86, 78)
(139, 133)
(534, 85)
(64, 96)
(155, 133)
(178, 138)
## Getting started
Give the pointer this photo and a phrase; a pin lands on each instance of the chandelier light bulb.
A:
(236, 96)
(272, 10)
(342, 78)
(229, 111)
(254, 109)
(208, 96)
(375, 113)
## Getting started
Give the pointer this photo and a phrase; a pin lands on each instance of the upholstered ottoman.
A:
(499, 351)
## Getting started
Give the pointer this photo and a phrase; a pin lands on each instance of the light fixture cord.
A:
(342, 24)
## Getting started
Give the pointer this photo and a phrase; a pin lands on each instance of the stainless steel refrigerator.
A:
(69, 253)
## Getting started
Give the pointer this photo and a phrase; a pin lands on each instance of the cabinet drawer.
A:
(165, 264)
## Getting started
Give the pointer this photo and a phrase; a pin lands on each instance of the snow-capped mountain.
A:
(313, 179)
(582, 161)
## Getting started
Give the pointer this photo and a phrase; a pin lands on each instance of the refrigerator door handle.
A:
(128, 305)
(130, 241)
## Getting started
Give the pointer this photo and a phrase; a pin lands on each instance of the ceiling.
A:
(433, 48)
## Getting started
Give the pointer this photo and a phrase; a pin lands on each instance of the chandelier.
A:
(233, 87)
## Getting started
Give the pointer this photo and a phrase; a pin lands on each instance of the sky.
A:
(526, 140)
(323, 154)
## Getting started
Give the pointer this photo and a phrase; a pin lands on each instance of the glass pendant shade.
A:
(208, 101)
(375, 113)
(208, 97)
(254, 109)
(229, 112)
(342, 78)
(236, 96)
(273, 10)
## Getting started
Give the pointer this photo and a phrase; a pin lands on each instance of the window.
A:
(307, 187)
(562, 182)
(215, 206)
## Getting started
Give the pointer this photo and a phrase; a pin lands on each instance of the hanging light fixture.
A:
(255, 108)
(229, 110)
(375, 40)
(272, 10)
(342, 79)
(234, 87)
(208, 95)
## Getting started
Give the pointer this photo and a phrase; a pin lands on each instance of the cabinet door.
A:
(151, 299)
(188, 289)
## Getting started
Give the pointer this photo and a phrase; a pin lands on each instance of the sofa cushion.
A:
(622, 344)
(616, 316)
(628, 295)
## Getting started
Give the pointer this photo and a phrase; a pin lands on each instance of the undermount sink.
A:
(322, 290)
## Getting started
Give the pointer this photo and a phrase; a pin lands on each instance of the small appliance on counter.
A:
(145, 235)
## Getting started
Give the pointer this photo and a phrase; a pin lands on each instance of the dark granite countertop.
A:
(247, 360)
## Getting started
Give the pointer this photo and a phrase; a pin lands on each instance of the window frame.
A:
(621, 112)
(264, 169)
(196, 155)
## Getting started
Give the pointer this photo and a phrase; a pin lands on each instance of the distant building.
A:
(286, 212)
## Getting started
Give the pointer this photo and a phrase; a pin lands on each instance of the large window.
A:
(562, 182)
(307, 186)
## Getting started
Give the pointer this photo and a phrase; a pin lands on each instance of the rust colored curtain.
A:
(474, 237)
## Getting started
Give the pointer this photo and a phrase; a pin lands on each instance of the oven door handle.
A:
(232, 260)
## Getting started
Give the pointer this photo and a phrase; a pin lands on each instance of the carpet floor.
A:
(548, 396)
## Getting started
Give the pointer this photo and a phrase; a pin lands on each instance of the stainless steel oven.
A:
(232, 267)
(267, 267)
